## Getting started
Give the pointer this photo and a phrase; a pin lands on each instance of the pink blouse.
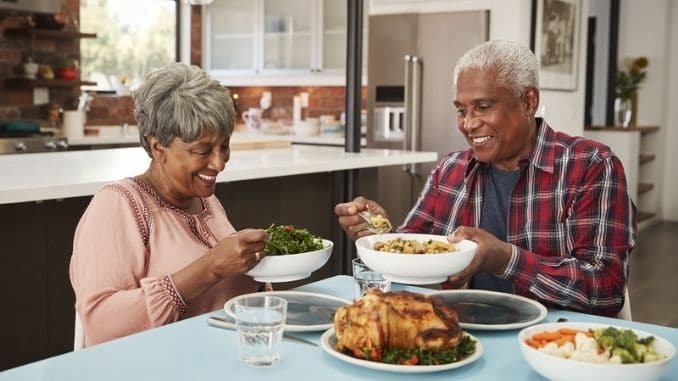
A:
(126, 245)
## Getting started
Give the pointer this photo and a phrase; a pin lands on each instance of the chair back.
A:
(79, 335)
(625, 312)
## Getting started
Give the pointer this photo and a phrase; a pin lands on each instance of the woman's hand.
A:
(492, 254)
(349, 219)
(239, 252)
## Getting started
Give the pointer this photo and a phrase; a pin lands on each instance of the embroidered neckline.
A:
(206, 209)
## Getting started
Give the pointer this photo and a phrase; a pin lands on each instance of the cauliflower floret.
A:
(552, 349)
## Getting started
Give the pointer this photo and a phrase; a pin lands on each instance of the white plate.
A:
(491, 310)
(306, 311)
(328, 341)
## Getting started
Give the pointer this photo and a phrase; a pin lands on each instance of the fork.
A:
(370, 217)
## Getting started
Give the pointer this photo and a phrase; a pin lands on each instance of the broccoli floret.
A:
(624, 354)
(606, 341)
(650, 356)
(626, 339)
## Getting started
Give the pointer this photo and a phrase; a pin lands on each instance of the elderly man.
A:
(550, 212)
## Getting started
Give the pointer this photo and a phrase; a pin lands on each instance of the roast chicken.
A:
(396, 320)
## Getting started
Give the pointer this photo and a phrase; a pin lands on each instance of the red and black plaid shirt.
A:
(571, 221)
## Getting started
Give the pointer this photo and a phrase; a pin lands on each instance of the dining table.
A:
(191, 349)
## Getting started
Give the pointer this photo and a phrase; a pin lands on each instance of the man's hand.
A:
(354, 225)
(492, 254)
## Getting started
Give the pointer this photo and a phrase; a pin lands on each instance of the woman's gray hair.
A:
(178, 100)
(515, 65)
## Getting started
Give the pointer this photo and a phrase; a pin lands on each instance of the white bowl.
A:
(290, 267)
(557, 368)
(415, 268)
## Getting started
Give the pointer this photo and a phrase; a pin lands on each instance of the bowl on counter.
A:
(558, 368)
(308, 127)
(415, 268)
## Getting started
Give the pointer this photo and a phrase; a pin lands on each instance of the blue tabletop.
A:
(191, 349)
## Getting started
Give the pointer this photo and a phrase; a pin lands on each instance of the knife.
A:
(216, 321)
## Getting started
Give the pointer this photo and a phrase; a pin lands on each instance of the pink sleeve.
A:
(114, 297)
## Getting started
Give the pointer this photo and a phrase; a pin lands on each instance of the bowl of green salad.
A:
(292, 253)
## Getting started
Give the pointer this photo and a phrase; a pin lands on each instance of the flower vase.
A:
(634, 109)
(622, 112)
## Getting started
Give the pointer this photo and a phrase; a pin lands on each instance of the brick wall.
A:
(321, 100)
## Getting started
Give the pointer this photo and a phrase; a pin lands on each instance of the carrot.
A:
(547, 336)
(565, 339)
(570, 331)
(533, 343)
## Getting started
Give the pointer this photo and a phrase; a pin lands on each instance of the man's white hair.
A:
(515, 65)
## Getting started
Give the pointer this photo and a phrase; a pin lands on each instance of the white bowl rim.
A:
(413, 236)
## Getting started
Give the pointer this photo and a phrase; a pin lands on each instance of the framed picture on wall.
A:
(555, 42)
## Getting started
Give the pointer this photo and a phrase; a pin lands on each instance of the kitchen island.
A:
(57, 175)
(43, 195)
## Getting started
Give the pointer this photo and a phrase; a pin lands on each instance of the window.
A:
(133, 38)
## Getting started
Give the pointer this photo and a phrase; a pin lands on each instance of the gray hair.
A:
(178, 100)
(515, 65)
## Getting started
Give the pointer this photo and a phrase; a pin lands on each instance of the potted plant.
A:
(626, 91)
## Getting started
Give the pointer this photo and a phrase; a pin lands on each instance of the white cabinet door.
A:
(231, 29)
(334, 35)
(277, 42)
(288, 34)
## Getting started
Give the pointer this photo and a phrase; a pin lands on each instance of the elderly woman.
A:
(157, 248)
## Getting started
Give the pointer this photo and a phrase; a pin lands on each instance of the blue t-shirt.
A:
(497, 190)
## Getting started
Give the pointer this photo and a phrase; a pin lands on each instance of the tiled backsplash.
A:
(321, 100)
(114, 110)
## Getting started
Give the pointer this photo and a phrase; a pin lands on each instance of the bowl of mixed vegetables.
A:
(292, 253)
(589, 351)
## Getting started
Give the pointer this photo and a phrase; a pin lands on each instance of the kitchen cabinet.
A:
(276, 42)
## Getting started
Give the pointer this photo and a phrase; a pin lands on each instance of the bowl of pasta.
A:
(415, 258)
(593, 351)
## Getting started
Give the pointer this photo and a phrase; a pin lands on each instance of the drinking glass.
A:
(365, 278)
(260, 320)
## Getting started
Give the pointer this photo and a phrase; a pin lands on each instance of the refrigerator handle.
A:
(407, 106)
(415, 107)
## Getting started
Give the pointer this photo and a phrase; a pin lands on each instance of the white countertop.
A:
(54, 175)
(132, 137)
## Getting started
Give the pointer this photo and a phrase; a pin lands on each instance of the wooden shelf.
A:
(643, 129)
(642, 216)
(25, 82)
(644, 188)
(48, 33)
(642, 159)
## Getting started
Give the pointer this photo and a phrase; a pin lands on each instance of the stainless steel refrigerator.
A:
(410, 100)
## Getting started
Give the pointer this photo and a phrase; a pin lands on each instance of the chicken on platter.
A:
(401, 328)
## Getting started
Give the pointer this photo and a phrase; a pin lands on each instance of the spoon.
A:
(376, 223)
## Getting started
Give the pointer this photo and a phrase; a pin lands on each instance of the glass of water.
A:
(260, 320)
(365, 278)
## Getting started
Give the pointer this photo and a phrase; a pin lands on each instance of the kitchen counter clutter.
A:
(46, 176)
